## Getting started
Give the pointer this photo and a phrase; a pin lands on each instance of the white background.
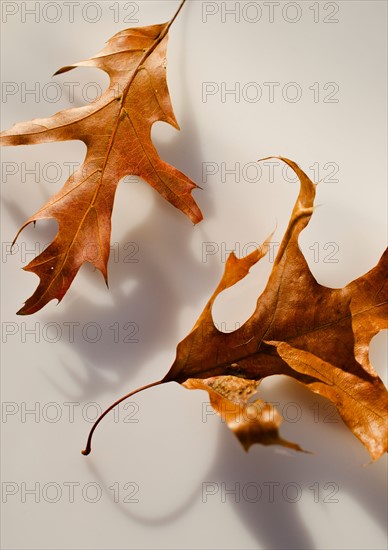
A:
(173, 449)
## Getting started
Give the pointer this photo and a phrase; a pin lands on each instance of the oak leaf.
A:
(316, 335)
(116, 129)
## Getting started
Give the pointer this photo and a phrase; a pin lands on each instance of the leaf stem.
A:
(146, 54)
(176, 15)
(88, 447)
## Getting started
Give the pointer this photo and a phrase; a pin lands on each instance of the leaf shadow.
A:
(169, 517)
(336, 470)
(151, 307)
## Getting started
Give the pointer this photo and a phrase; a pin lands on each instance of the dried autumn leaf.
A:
(250, 421)
(317, 335)
(116, 129)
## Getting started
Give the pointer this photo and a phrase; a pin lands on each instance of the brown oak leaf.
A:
(116, 129)
(317, 335)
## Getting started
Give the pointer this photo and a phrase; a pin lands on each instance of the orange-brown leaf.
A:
(317, 335)
(116, 129)
(251, 421)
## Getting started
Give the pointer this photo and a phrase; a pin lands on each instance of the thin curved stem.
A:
(88, 447)
(176, 15)
(157, 41)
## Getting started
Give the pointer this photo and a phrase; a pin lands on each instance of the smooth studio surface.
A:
(305, 80)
